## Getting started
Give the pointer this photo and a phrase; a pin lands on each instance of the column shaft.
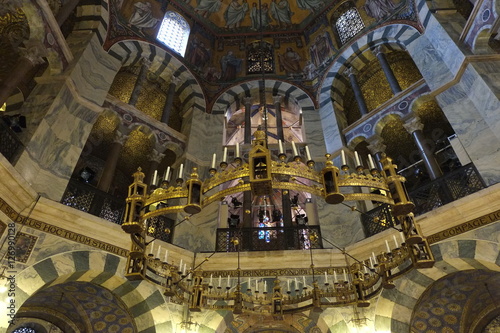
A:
(358, 95)
(248, 120)
(427, 155)
(110, 167)
(279, 118)
(134, 97)
(389, 74)
(169, 102)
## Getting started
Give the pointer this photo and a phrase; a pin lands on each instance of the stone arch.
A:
(101, 268)
(230, 97)
(394, 307)
(480, 43)
(165, 65)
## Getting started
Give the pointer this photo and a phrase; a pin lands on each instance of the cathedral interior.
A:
(265, 166)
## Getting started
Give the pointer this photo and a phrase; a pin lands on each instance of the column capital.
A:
(146, 62)
(375, 144)
(156, 156)
(378, 50)
(413, 124)
(175, 80)
(247, 100)
(277, 99)
(34, 51)
(350, 71)
(120, 138)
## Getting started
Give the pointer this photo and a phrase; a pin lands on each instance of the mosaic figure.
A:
(379, 9)
(235, 13)
(142, 17)
(280, 11)
(206, 7)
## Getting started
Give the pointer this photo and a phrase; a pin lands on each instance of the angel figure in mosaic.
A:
(206, 7)
(142, 17)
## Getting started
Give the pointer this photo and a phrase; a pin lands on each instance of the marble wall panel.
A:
(94, 72)
(314, 134)
(339, 224)
(206, 136)
(331, 131)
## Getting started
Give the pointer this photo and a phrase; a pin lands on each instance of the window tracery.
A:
(174, 32)
(349, 24)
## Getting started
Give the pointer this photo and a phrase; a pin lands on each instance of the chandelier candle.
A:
(213, 160)
(167, 174)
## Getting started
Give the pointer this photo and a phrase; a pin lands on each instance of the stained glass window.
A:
(260, 56)
(174, 32)
(349, 24)
(24, 330)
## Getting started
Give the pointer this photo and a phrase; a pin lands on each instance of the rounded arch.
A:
(227, 99)
(394, 307)
(165, 65)
(106, 270)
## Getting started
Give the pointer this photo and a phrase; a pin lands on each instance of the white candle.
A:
(294, 149)
(370, 161)
(166, 255)
(256, 286)
(249, 286)
(211, 279)
(220, 280)
(151, 249)
(387, 246)
(366, 269)
(214, 157)
(296, 284)
(184, 270)
(228, 282)
(180, 266)
(334, 276)
(374, 258)
(371, 262)
(265, 286)
(304, 279)
(308, 154)
(237, 149)
(326, 278)
(345, 275)
(287, 285)
(356, 156)
(158, 253)
(181, 169)
(281, 146)
(167, 174)
(342, 157)
(155, 175)
(402, 237)
(395, 241)
(224, 159)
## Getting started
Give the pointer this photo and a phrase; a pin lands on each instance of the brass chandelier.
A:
(261, 174)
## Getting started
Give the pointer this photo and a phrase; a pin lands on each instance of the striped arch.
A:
(396, 35)
(163, 65)
(145, 302)
(395, 307)
(232, 96)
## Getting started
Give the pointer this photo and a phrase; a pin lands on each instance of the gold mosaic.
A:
(135, 152)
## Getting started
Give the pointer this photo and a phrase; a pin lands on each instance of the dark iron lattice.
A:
(157, 228)
(450, 187)
(89, 199)
(269, 239)
(10, 145)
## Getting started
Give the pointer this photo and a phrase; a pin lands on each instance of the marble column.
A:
(154, 161)
(389, 74)
(414, 126)
(30, 56)
(134, 97)
(248, 102)
(111, 162)
(376, 147)
(279, 119)
(167, 109)
(358, 95)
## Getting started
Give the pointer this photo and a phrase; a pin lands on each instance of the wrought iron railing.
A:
(452, 186)
(269, 239)
(10, 145)
(87, 198)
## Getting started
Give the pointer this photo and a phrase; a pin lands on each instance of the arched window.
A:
(174, 32)
(24, 330)
(259, 57)
(348, 23)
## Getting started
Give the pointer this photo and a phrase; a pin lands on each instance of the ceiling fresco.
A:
(301, 38)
